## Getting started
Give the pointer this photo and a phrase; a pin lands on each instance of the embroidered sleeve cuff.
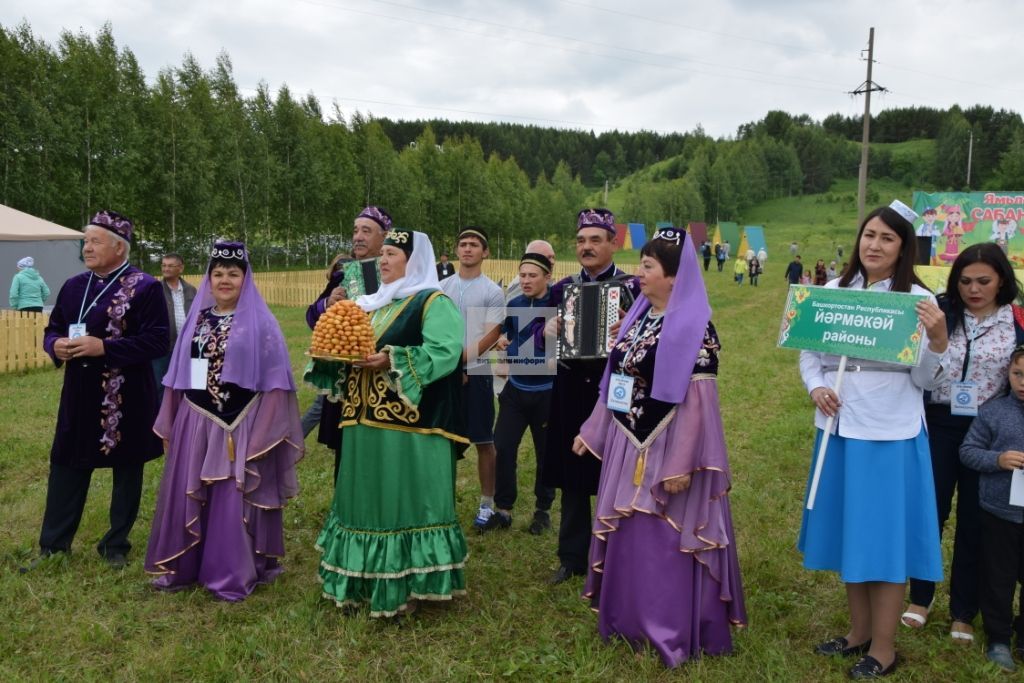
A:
(402, 375)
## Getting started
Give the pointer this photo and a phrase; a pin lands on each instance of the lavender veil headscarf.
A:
(682, 331)
(256, 357)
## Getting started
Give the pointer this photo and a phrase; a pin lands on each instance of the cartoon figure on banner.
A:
(954, 231)
(929, 228)
(1003, 230)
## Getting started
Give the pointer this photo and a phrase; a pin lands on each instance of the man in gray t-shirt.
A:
(482, 305)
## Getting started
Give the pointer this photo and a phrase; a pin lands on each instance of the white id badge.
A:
(76, 330)
(620, 392)
(963, 398)
(197, 373)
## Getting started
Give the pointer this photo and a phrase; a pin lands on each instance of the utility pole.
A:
(606, 191)
(866, 89)
(970, 153)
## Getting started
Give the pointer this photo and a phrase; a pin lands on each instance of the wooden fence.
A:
(21, 334)
(21, 340)
(302, 287)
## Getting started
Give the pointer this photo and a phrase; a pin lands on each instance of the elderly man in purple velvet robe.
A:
(108, 324)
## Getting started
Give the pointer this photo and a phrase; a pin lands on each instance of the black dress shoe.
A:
(564, 574)
(43, 556)
(841, 646)
(541, 522)
(116, 561)
(868, 668)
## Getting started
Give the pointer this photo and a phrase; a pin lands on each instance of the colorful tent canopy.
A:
(637, 236)
(755, 237)
(621, 236)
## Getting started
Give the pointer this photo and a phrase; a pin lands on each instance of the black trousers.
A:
(707, 262)
(721, 262)
(574, 530)
(517, 410)
(1003, 568)
(945, 434)
(66, 492)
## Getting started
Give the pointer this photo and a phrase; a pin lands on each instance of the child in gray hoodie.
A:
(995, 447)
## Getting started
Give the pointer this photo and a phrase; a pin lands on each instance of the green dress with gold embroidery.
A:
(392, 535)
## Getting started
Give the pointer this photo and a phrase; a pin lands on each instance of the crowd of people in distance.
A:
(632, 439)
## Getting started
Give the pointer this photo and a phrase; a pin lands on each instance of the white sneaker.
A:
(483, 515)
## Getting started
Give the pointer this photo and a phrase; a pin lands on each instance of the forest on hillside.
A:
(189, 157)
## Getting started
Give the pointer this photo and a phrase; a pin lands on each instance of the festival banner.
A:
(955, 220)
(861, 323)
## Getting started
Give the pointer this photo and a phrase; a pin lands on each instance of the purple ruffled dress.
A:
(663, 567)
(233, 448)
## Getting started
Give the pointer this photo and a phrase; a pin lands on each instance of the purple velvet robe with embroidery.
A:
(108, 403)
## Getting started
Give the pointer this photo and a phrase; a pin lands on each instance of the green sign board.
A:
(879, 326)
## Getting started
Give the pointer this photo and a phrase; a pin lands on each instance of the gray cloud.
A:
(658, 64)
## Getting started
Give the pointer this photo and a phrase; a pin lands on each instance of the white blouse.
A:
(876, 406)
(992, 342)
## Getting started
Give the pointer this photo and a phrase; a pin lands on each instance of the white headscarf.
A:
(27, 262)
(420, 274)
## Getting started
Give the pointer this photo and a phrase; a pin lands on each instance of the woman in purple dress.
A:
(231, 422)
(663, 565)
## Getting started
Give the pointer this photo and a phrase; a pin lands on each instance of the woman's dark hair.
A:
(225, 262)
(991, 255)
(903, 275)
(666, 252)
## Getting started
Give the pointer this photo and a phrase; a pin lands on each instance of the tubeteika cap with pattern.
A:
(596, 218)
(378, 216)
(114, 222)
(401, 238)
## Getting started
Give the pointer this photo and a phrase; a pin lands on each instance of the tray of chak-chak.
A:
(588, 312)
(343, 333)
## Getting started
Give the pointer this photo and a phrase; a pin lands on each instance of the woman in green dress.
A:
(392, 537)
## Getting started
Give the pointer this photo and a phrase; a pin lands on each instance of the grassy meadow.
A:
(76, 619)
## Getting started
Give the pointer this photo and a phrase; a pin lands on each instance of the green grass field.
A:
(76, 619)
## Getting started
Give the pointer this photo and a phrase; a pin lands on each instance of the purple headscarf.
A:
(256, 357)
(682, 330)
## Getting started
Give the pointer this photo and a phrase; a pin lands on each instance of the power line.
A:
(945, 77)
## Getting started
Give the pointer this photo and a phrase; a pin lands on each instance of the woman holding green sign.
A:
(874, 521)
(984, 328)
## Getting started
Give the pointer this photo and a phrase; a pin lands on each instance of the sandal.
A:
(915, 620)
(959, 635)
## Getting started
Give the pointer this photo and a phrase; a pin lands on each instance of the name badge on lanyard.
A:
(76, 330)
(620, 393)
(963, 399)
(197, 373)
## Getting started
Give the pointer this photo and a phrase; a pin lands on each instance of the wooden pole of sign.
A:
(820, 461)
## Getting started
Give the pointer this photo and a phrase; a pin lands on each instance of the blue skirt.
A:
(874, 518)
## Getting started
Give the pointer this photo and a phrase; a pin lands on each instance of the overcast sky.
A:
(665, 65)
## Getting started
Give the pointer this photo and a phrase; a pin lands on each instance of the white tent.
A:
(56, 250)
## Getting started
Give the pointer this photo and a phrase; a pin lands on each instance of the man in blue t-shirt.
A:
(525, 400)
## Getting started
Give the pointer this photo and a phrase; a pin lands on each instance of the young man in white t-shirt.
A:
(482, 305)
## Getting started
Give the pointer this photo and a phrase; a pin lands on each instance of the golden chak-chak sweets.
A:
(344, 330)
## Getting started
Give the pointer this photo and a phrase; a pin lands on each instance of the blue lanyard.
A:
(82, 310)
